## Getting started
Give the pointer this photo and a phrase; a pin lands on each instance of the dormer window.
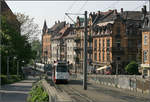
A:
(118, 30)
(146, 21)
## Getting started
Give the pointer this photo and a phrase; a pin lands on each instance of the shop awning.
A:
(104, 67)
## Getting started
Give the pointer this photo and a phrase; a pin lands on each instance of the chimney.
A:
(90, 15)
(121, 10)
(145, 8)
(55, 22)
(93, 13)
(115, 11)
(99, 12)
(64, 23)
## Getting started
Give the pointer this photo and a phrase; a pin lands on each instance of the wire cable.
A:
(83, 5)
(145, 2)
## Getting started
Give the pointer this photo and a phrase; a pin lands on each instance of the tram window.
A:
(62, 69)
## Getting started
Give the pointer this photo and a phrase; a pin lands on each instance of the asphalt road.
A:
(97, 93)
(17, 92)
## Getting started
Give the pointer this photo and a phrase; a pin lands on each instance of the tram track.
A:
(75, 95)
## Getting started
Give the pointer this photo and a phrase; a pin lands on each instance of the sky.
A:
(52, 11)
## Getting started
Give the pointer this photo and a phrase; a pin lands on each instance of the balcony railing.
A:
(77, 49)
(77, 39)
(89, 50)
(90, 38)
(117, 50)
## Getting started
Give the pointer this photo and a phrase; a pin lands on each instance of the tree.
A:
(28, 27)
(13, 45)
(132, 68)
(36, 48)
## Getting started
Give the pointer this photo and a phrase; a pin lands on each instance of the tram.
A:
(60, 72)
(40, 67)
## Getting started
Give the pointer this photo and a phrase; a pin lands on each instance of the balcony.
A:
(89, 50)
(117, 50)
(90, 38)
(76, 58)
(77, 39)
(77, 49)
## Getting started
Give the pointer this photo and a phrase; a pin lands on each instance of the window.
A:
(95, 43)
(103, 56)
(99, 45)
(62, 68)
(118, 43)
(118, 58)
(118, 30)
(99, 56)
(108, 56)
(145, 39)
(95, 56)
(108, 43)
(145, 56)
(103, 43)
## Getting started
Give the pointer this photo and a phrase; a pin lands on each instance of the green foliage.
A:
(13, 44)
(38, 94)
(36, 48)
(11, 79)
(132, 68)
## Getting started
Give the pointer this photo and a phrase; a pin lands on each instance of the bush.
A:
(38, 94)
(132, 68)
(11, 79)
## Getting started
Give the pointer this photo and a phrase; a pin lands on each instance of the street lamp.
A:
(18, 68)
(7, 63)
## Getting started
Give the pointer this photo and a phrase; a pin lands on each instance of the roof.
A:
(62, 31)
(56, 27)
(105, 23)
(126, 15)
(146, 24)
(134, 15)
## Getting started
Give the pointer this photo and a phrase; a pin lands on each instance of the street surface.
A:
(17, 92)
(97, 93)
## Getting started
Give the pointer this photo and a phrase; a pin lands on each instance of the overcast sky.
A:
(52, 11)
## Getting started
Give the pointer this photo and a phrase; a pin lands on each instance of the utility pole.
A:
(85, 53)
(85, 48)
(149, 5)
(117, 68)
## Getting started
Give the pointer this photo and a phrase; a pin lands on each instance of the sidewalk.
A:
(17, 92)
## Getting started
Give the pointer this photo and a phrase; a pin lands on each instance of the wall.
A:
(127, 82)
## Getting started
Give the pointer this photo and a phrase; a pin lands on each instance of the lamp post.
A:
(85, 48)
(18, 68)
(14, 58)
(7, 66)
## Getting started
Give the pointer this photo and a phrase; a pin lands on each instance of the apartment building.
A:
(116, 38)
(146, 44)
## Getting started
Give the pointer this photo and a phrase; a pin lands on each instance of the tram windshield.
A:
(62, 68)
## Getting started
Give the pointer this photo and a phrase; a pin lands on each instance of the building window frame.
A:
(145, 56)
(95, 56)
(145, 39)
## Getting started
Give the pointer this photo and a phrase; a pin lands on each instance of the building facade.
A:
(79, 40)
(116, 37)
(47, 35)
(146, 45)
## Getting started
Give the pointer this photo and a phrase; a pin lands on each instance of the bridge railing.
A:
(129, 82)
(55, 96)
